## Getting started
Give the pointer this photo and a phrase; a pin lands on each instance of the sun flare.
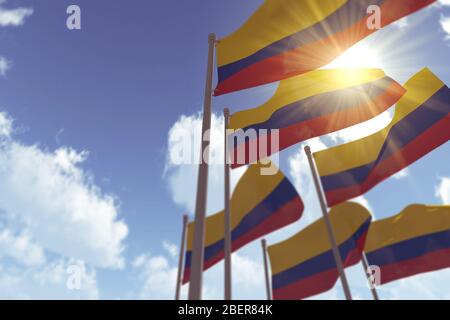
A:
(358, 56)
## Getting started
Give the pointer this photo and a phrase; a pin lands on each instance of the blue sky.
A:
(86, 120)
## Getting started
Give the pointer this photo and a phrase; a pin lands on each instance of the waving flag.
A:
(417, 240)
(304, 265)
(259, 205)
(311, 105)
(421, 123)
(284, 38)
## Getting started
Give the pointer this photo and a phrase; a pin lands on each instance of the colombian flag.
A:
(308, 106)
(259, 205)
(416, 240)
(304, 265)
(284, 38)
(421, 123)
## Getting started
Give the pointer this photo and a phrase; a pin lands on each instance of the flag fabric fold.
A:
(416, 240)
(284, 38)
(308, 106)
(304, 265)
(259, 205)
(421, 123)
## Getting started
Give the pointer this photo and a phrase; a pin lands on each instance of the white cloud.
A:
(6, 125)
(248, 274)
(20, 248)
(184, 136)
(171, 248)
(427, 286)
(157, 277)
(401, 174)
(402, 23)
(14, 17)
(52, 203)
(47, 282)
(445, 24)
(11, 17)
(5, 65)
(364, 202)
(443, 190)
(444, 2)
(444, 20)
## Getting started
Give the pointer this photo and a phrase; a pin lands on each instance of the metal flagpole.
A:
(227, 235)
(366, 271)
(181, 258)
(196, 278)
(266, 269)
(323, 205)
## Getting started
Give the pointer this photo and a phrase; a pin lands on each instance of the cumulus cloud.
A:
(11, 17)
(6, 125)
(49, 281)
(156, 275)
(443, 190)
(248, 274)
(444, 20)
(14, 17)
(363, 201)
(445, 24)
(5, 65)
(427, 286)
(183, 149)
(170, 248)
(402, 23)
(49, 203)
(20, 248)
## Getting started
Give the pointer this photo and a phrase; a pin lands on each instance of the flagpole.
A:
(196, 278)
(323, 205)
(266, 269)
(366, 271)
(181, 258)
(227, 235)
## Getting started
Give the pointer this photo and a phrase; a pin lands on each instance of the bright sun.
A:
(358, 56)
